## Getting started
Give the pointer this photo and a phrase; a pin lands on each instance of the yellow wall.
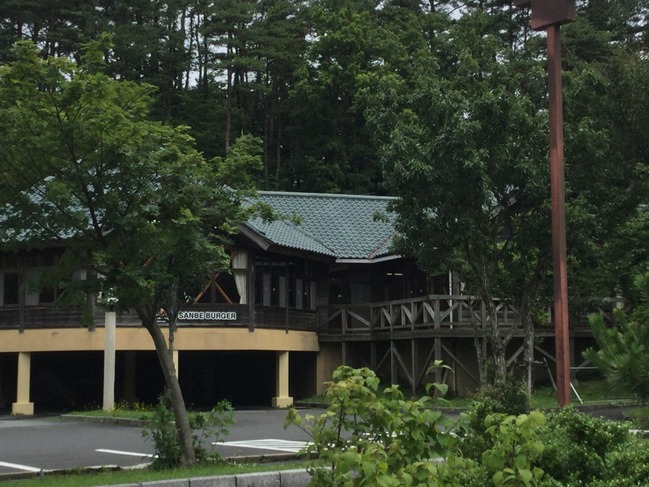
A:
(80, 339)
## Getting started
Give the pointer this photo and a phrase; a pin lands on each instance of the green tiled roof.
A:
(339, 226)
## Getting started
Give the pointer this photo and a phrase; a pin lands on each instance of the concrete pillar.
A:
(329, 359)
(175, 359)
(22, 404)
(110, 326)
(282, 399)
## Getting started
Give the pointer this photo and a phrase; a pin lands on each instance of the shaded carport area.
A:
(66, 381)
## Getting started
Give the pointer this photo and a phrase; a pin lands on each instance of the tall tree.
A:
(229, 33)
(464, 150)
(150, 45)
(331, 148)
(57, 28)
(606, 88)
(279, 34)
(83, 167)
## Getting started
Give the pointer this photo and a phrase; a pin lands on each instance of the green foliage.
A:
(162, 432)
(577, 446)
(628, 465)
(640, 417)
(505, 398)
(211, 427)
(130, 200)
(369, 439)
(208, 427)
(623, 349)
(515, 449)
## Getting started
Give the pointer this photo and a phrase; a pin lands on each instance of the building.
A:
(306, 293)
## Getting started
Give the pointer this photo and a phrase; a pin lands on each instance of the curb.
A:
(106, 419)
(279, 478)
(282, 478)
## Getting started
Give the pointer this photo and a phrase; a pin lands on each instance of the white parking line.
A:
(20, 467)
(126, 453)
(267, 444)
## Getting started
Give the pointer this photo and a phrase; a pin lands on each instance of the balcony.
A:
(427, 316)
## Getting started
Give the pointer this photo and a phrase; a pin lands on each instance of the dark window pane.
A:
(226, 287)
(10, 288)
(47, 295)
(274, 290)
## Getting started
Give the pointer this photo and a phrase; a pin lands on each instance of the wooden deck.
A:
(424, 317)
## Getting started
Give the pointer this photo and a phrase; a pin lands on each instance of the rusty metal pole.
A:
(550, 14)
(561, 326)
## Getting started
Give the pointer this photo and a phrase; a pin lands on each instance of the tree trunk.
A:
(528, 338)
(482, 366)
(188, 455)
(498, 345)
(500, 363)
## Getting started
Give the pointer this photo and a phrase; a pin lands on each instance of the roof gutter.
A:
(385, 258)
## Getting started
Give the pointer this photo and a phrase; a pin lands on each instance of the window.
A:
(38, 288)
(24, 276)
(8, 288)
(285, 282)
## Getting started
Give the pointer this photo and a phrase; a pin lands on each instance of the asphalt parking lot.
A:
(46, 443)
(32, 444)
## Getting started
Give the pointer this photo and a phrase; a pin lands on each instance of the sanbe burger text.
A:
(208, 315)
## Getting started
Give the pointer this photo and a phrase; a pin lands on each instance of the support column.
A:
(110, 321)
(414, 358)
(394, 371)
(329, 358)
(174, 357)
(282, 399)
(22, 404)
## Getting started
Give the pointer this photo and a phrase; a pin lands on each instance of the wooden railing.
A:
(232, 315)
(435, 311)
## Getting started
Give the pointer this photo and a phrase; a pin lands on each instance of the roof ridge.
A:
(328, 195)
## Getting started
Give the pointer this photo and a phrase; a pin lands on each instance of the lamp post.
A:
(550, 15)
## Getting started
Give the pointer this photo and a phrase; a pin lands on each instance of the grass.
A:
(112, 477)
(116, 413)
(123, 410)
(593, 391)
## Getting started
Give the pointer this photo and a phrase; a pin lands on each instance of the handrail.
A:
(433, 311)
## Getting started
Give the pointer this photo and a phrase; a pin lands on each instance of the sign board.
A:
(200, 316)
(549, 12)
(207, 316)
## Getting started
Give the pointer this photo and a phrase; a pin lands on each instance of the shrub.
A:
(162, 432)
(515, 448)
(366, 438)
(629, 462)
(207, 428)
(623, 348)
(577, 445)
(508, 398)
